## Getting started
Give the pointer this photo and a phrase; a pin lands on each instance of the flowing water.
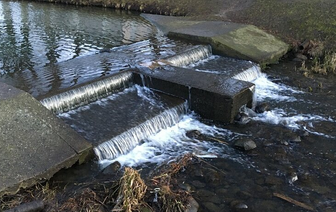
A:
(296, 137)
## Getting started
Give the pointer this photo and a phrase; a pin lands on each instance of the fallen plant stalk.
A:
(293, 201)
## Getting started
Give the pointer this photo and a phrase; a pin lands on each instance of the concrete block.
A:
(34, 144)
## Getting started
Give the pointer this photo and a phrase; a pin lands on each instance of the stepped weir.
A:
(213, 96)
(99, 95)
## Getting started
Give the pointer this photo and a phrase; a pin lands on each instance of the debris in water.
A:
(132, 190)
(293, 201)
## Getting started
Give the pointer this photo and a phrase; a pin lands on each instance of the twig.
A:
(220, 141)
(293, 201)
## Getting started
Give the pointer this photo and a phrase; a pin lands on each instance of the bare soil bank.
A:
(291, 20)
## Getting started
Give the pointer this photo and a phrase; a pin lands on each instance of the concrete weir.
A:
(229, 39)
(212, 96)
(34, 144)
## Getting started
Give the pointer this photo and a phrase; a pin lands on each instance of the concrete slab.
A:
(212, 96)
(229, 39)
(34, 144)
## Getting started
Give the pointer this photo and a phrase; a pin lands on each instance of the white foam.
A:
(266, 89)
(279, 116)
(172, 142)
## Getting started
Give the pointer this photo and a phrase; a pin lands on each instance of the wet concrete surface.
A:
(215, 97)
(226, 38)
(34, 143)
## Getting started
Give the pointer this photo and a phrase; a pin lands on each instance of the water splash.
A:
(86, 94)
(268, 90)
(170, 143)
(126, 141)
(190, 56)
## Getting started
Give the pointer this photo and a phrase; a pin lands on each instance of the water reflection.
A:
(35, 34)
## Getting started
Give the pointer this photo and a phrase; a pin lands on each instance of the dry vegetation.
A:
(128, 194)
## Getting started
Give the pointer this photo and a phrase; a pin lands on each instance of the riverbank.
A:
(293, 21)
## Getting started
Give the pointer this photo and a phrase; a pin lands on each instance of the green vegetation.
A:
(293, 20)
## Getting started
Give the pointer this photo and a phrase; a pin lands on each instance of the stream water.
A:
(296, 137)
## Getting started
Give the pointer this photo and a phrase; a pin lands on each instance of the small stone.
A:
(211, 207)
(198, 184)
(296, 139)
(261, 107)
(242, 118)
(300, 56)
(192, 205)
(237, 205)
(112, 168)
(193, 134)
(205, 193)
(185, 187)
(246, 144)
(243, 195)
(241, 205)
(292, 177)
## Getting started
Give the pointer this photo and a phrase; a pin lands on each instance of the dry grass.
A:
(88, 200)
(320, 65)
(37, 192)
(169, 199)
(132, 191)
(128, 194)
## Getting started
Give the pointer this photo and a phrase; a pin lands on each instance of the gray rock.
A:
(192, 205)
(250, 112)
(242, 118)
(261, 107)
(198, 184)
(112, 168)
(211, 207)
(243, 195)
(193, 134)
(185, 187)
(300, 57)
(246, 144)
(238, 205)
(205, 193)
(296, 139)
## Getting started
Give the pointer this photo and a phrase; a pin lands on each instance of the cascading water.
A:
(249, 74)
(126, 141)
(190, 56)
(84, 95)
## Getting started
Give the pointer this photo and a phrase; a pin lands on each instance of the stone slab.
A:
(229, 39)
(212, 96)
(34, 144)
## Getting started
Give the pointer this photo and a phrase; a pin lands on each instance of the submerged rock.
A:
(237, 205)
(193, 134)
(242, 118)
(112, 168)
(211, 207)
(192, 205)
(105, 51)
(261, 107)
(245, 144)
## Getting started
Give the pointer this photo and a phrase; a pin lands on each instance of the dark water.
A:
(36, 41)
